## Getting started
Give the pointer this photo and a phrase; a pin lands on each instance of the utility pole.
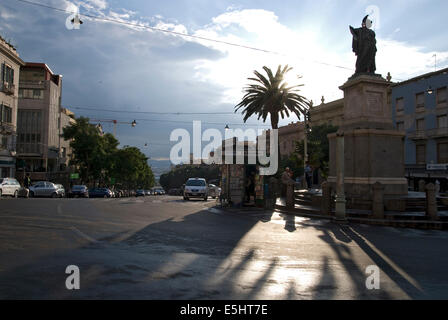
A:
(305, 142)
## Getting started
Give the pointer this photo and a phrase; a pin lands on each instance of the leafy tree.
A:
(180, 174)
(318, 147)
(86, 144)
(98, 158)
(132, 169)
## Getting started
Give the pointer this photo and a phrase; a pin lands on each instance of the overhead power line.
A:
(95, 17)
(148, 112)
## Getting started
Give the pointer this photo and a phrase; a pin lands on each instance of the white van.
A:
(9, 187)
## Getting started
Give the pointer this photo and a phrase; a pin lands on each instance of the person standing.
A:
(308, 175)
(27, 184)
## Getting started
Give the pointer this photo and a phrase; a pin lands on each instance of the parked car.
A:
(196, 188)
(158, 191)
(140, 193)
(214, 191)
(175, 192)
(100, 193)
(45, 189)
(78, 191)
(9, 187)
(148, 192)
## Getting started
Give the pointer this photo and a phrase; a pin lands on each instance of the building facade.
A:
(419, 107)
(40, 147)
(9, 88)
(331, 113)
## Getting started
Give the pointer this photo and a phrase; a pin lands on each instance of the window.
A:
(37, 94)
(420, 124)
(420, 100)
(442, 121)
(7, 74)
(442, 152)
(441, 95)
(31, 94)
(400, 104)
(4, 142)
(5, 114)
(400, 126)
(420, 151)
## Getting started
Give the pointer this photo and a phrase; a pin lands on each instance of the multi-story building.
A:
(40, 147)
(10, 68)
(420, 107)
(331, 113)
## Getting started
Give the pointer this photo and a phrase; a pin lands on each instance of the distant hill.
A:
(159, 167)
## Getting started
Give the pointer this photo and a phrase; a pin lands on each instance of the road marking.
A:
(59, 208)
(83, 235)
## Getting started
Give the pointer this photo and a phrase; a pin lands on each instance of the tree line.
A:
(99, 161)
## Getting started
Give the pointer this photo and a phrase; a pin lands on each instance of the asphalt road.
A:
(167, 248)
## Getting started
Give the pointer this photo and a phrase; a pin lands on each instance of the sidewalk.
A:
(416, 220)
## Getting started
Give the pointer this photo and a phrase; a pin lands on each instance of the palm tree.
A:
(272, 96)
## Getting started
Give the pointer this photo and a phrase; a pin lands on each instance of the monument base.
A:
(373, 149)
(371, 156)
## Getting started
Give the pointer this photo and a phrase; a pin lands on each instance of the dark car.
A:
(78, 191)
(140, 193)
(100, 193)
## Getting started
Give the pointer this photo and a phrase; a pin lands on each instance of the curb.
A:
(415, 224)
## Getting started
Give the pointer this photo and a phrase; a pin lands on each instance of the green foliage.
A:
(98, 158)
(318, 147)
(180, 174)
(272, 96)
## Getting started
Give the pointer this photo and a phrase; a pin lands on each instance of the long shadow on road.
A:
(204, 256)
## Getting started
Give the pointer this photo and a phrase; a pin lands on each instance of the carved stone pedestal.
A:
(374, 150)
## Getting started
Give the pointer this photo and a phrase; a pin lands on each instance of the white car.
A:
(214, 191)
(196, 188)
(9, 187)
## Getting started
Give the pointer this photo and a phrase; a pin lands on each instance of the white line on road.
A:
(59, 208)
(83, 235)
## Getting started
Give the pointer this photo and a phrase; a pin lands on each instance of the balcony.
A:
(30, 149)
(418, 135)
(438, 133)
(7, 128)
(32, 84)
(8, 88)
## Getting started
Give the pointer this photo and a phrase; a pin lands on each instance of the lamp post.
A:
(340, 192)
(305, 142)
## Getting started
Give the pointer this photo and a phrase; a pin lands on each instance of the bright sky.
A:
(113, 66)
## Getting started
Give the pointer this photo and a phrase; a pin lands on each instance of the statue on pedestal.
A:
(364, 46)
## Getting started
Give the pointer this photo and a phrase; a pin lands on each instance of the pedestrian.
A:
(286, 179)
(27, 184)
(308, 175)
(437, 187)
(250, 186)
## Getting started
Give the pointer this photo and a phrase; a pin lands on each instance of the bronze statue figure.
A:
(364, 46)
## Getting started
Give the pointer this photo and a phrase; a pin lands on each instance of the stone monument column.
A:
(374, 150)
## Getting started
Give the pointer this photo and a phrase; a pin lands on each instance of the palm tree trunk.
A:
(274, 125)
